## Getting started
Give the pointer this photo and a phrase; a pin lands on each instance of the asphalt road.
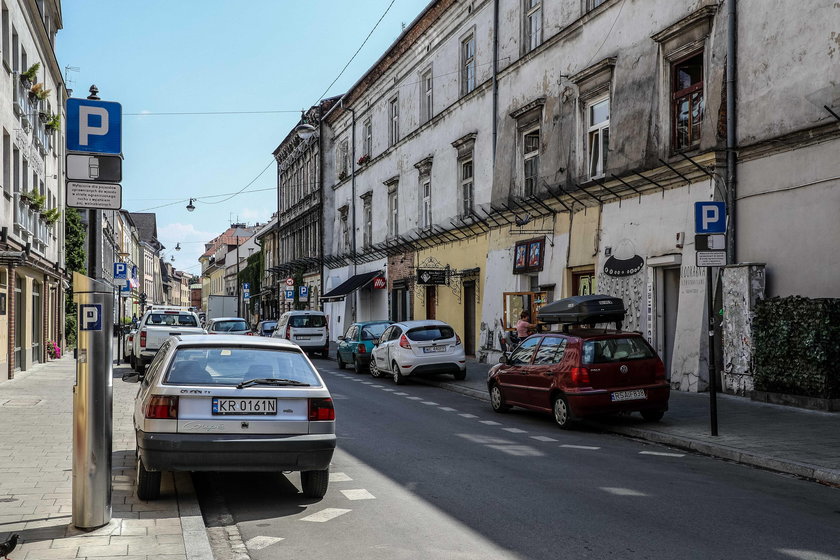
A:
(426, 473)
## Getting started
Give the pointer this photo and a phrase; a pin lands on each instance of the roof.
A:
(236, 340)
(421, 323)
(231, 236)
(146, 223)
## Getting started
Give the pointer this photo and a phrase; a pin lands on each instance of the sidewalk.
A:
(780, 438)
(36, 447)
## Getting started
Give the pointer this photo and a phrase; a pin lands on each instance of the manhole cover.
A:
(22, 403)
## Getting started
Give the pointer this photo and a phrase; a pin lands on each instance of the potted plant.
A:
(37, 91)
(29, 76)
(54, 122)
(364, 159)
(51, 216)
(342, 175)
(36, 200)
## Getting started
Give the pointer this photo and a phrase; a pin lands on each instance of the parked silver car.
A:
(233, 403)
(416, 347)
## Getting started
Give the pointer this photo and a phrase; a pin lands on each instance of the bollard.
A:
(92, 403)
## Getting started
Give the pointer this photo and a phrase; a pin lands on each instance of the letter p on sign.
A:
(709, 217)
(94, 126)
(90, 317)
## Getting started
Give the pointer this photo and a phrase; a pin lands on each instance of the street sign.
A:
(431, 276)
(120, 271)
(711, 258)
(710, 242)
(126, 287)
(106, 196)
(94, 126)
(88, 167)
(246, 286)
(289, 294)
(303, 293)
(709, 217)
(290, 281)
(90, 317)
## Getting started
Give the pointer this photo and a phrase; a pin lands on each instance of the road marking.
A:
(358, 494)
(543, 438)
(518, 450)
(339, 477)
(661, 454)
(325, 515)
(378, 387)
(623, 491)
(446, 408)
(367, 383)
(468, 415)
(259, 543)
(414, 398)
(589, 447)
(389, 390)
(515, 430)
(491, 422)
(401, 394)
(429, 403)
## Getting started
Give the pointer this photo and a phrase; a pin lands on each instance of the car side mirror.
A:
(504, 358)
(376, 341)
(132, 377)
(340, 338)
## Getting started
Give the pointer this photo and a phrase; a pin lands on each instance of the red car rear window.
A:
(610, 350)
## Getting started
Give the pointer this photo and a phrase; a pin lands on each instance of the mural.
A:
(623, 275)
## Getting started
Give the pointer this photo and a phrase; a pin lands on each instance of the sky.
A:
(269, 57)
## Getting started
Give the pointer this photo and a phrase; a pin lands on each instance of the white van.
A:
(307, 329)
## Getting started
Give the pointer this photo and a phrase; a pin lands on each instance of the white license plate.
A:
(262, 407)
(629, 395)
(299, 337)
(430, 349)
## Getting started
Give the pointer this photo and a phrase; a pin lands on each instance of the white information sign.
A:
(711, 258)
(105, 196)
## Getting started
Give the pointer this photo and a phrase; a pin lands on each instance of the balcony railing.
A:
(25, 216)
(22, 104)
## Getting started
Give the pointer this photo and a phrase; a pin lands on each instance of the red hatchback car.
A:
(579, 373)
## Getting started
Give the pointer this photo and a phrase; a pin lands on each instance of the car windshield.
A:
(269, 325)
(230, 326)
(174, 319)
(311, 321)
(231, 365)
(616, 350)
(372, 332)
(431, 332)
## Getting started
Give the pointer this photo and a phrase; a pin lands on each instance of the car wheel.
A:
(315, 483)
(357, 367)
(374, 371)
(399, 378)
(148, 482)
(461, 375)
(339, 361)
(133, 363)
(653, 415)
(140, 367)
(497, 400)
(562, 415)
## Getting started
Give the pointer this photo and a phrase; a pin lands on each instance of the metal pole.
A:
(238, 310)
(712, 372)
(92, 404)
(731, 130)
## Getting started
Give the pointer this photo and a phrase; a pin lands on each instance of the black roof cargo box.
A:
(578, 310)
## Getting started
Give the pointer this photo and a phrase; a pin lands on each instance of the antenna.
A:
(68, 83)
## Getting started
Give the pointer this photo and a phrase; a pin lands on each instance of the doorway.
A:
(670, 308)
(37, 331)
(18, 322)
(469, 318)
(431, 301)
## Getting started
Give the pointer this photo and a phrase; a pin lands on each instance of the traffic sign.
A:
(106, 196)
(120, 271)
(94, 126)
(289, 294)
(290, 281)
(90, 317)
(709, 217)
(94, 167)
(246, 286)
(710, 242)
(711, 258)
(303, 293)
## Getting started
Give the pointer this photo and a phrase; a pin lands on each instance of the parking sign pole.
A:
(712, 370)
(92, 403)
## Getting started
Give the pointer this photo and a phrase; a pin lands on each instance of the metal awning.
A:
(350, 285)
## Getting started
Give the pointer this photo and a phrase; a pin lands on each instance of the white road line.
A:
(414, 398)
(515, 430)
(429, 403)
(661, 454)
(543, 438)
(491, 423)
(389, 390)
(468, 415)
(623, 491)
(358, 494)
(446, 408)
(367, 383)
(259, 543)
(589, 447)
(339, 477)
(325, 515)
(378, 387)
(401, 394)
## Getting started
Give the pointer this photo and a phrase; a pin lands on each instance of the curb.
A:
(796, 468)
(196, 541)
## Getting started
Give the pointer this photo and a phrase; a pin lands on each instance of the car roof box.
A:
(582, 310)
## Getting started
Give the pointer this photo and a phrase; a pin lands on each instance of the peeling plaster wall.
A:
(743, 286)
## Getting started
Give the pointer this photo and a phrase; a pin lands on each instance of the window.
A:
(345, 228)
(393, 213)
(367, 220)
(592, 4)
(551, 350)
(466, 187)
(342, 159)
(533, 24)
(531, 158)
(7, 162)
(524, 353)
(426, 204)
(468, 64)
(367, 138)
(687, 96)
(426, 108)
(5, 40)
(599, 137)
(394, 114)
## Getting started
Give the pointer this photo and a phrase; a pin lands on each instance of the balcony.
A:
(21, 102)
(26, 218)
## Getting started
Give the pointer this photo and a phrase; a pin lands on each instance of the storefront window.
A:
(517, 302)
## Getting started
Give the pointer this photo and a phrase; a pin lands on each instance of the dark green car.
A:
(355, 346)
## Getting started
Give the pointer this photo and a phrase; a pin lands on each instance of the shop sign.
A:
(528, 256)
(623, 267)
(379, 283)
(431, 276)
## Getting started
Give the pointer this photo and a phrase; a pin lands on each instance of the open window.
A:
(517, 302)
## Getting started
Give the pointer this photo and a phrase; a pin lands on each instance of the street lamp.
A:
(191, 206)
(178, 246)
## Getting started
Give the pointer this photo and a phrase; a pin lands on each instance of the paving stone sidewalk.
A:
(36, 448)
(781, 438)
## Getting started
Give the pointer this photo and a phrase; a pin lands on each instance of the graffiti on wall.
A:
(623, 276)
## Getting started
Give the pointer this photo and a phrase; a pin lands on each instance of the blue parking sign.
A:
(90, 317)
(290, 294)
(94, 126)
(710, 217)
(120, 271)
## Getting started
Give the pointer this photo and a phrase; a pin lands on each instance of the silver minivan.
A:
(307, 329)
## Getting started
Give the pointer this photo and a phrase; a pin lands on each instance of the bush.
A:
(70, 330)
(797, 346)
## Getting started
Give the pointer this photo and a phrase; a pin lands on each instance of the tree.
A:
(74, 259)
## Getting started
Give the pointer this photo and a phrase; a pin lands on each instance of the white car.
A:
(233, 403)
(417, 347)
(307, 329)
(228, 325)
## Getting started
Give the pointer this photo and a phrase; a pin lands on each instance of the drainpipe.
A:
(495, 74)
(352, 195)
(321, 197)
(731, 138)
